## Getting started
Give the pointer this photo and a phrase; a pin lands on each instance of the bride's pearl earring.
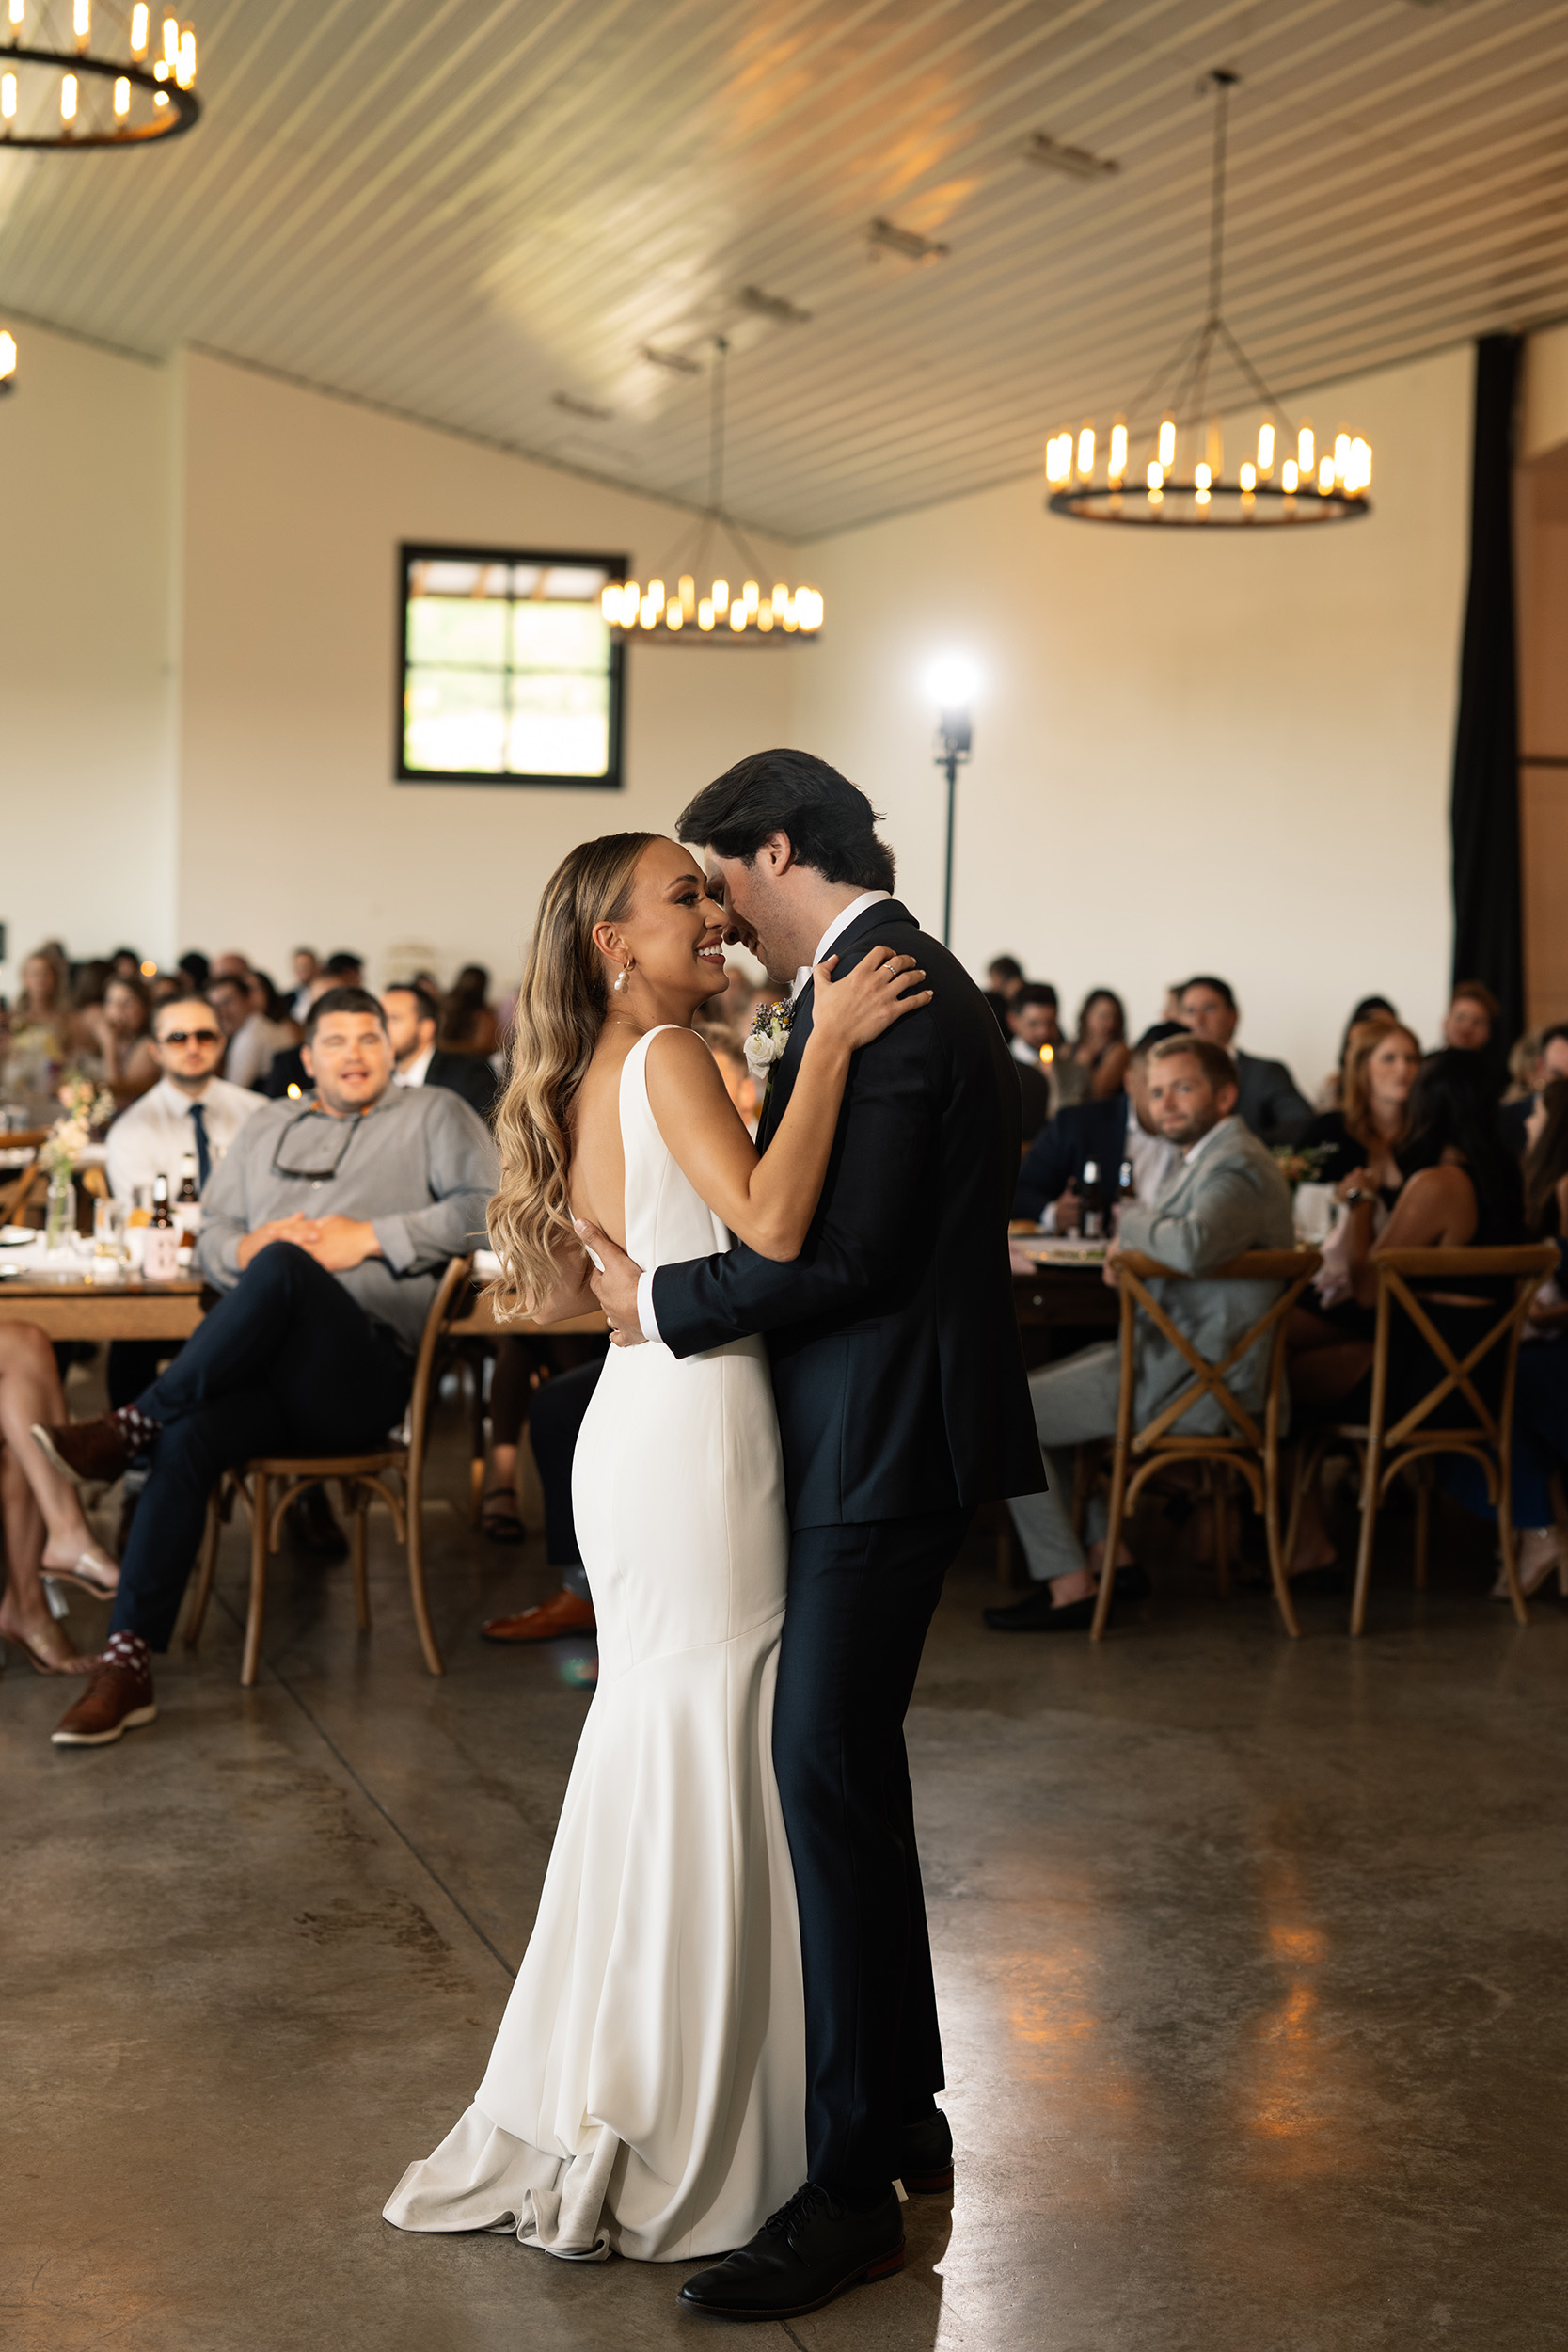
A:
(622, 979)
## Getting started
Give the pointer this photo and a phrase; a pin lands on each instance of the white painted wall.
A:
(291, 829)
(1230, 755)
(85, 785)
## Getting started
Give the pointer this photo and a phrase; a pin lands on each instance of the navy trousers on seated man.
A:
(286, 1362)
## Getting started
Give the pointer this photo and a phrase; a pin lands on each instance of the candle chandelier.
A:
(690, 597)
(1133, 474)
(78, 74)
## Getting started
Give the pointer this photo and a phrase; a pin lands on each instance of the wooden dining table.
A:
(72, 1308)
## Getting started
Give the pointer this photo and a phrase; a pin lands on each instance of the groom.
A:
(902, 1405)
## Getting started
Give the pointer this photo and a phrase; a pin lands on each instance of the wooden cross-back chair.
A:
(1247, 1446)
(1409, 1445)
(394, 1473)
(17, 1193)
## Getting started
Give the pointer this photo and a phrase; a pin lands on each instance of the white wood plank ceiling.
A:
(475, 211)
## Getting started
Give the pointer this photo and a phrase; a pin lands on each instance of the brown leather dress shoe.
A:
(93, 1452)
(563, 1612)
(117, 1699)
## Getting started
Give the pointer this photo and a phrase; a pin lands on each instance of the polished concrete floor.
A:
(1251, 1958)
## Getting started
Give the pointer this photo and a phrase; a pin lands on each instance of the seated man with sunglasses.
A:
(328, 1226)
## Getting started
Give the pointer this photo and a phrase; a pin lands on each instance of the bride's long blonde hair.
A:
(561, 1010)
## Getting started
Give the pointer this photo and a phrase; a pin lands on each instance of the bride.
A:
(645, 2093)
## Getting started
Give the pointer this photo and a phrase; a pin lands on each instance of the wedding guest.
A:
(1004, 977)
(1551, 1061)
(1033, 1038)
(252, 1039)
(44, 1528)
(41, 1023)
(1331, 1095)
(1465, 1192)
(1268, 1099)
(197, 968)
(468, 1024)
(1102, 1134)
(413, 1017)
(1095, 1065)
(306, 970)
(328, 1229)
(1469, 1025)
(167, 986)
(189, 1112)
(1225, 1195)
(560, 1406)
(121, 1030)
(1381, 1066)
(344, 969)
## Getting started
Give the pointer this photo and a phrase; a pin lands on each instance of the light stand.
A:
(954, 736)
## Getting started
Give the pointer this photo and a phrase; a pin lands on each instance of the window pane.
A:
(454, 720)
(560, 637)
(457, 628)
(560, 726)
(574, 583)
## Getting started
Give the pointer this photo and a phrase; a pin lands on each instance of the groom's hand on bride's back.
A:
(613, 1282)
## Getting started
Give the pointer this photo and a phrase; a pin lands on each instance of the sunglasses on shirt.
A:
(191, 1037)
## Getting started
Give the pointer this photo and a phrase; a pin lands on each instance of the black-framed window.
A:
(511, 674)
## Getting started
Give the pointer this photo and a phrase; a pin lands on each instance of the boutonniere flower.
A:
(769, 1037)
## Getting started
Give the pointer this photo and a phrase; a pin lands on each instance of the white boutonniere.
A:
(766, 1043)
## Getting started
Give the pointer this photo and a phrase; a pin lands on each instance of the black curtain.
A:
(1485, 807)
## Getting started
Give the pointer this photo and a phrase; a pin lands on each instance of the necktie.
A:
(203, 1151)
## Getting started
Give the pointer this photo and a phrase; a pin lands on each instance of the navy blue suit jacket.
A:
(1057, 1156)
(892, 1338)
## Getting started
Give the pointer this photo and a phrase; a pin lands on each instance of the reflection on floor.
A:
(1250, 1956)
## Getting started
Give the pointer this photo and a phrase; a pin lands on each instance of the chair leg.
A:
(258, 1517)
(1112, 1543)
(416, 1580)
(1511, 1564)
(361, 1543)
(1278, 1554)
(1219, 1488)
(206, 1569)
(1371, 1471)
(1423, 1522)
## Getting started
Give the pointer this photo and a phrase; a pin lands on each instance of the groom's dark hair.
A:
(831, 823)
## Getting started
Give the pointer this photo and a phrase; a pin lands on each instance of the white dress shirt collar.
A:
(1194, 1149)
(840, 924)
(416, 1072)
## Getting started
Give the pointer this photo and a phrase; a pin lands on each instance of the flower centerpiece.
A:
(87, 1106)
(1302, 1163)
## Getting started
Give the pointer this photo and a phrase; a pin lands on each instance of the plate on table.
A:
(17, 1236)
(1059, 1249)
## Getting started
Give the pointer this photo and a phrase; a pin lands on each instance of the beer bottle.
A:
(161, 1251)
(1127, 1192)
(1093, 1225)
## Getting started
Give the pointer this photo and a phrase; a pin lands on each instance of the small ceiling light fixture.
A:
(575, 407)
(728, 613)
(775, 307)
(675, 362)
(127, 78)
(1130, 475)
(885, 237)
(1077, 162)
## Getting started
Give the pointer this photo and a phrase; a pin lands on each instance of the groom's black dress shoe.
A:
(804, 2255)
(927, 2157)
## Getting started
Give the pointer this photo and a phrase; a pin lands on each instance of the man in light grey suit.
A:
(1224, 1194)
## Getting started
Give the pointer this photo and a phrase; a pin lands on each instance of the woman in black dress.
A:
(1372, 1122)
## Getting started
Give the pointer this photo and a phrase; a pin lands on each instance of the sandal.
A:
(73, 1663)
(499, 1518)
(87, 1572)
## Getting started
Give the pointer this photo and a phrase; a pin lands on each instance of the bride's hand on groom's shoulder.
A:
(613, 1282)
(871, 996)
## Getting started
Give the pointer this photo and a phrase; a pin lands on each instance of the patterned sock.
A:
(138, 1428)
(128, 1649)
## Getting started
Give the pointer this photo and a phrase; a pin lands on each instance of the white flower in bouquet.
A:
(769, 1037)
(87, 1106)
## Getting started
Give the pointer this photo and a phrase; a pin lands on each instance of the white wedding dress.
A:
(646, 2091)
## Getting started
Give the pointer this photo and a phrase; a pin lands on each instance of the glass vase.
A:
(59, 1223)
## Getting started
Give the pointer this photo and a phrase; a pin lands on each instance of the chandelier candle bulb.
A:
(1341, 458)
(753, 595)
(1118, 450)
(764, 614)
(648, 611)
(8, 357)
(705, 613)
(720, 597)
(1202, 476)
(81, 22)
(1167, 443)
(140, 19)
(1307, 460)
(1248, 477)
(1325, 476)
(1265, 448)
(737, 616)
(656, 589)
(1289, 476)
(17, 10)
(171, 41)
(1156, 474)
(673, 616)
(1085, 453)
(122, 95)
(68, 98)
(688, 594)
(184, 72)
